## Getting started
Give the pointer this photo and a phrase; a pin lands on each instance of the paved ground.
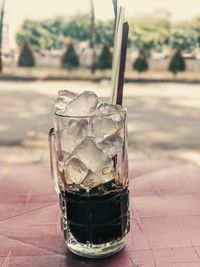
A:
(163, 119)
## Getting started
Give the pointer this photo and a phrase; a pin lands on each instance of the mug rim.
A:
(124, 111)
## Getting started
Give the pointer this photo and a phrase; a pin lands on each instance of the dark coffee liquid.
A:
(96, 218)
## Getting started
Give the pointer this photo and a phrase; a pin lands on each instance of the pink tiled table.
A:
(165, 218)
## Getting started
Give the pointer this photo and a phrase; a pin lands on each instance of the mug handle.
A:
(53, 160)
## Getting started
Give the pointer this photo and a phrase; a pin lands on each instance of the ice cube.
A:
(64, 98)
(109, 109)
(92, 180)
(92, 156)
(68, 94)
(74, 132)
(83, 105)
(111, 145)
(102, 127)
(60, 102)
(75, 171)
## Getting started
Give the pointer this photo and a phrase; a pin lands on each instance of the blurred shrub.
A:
(70, 59)
(141, 62)
(105, 58)
(155, 33)
(48, 34)
(177, 62)
(41, 34)
(26, 57)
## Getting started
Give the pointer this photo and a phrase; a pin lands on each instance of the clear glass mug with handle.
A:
(89, 168)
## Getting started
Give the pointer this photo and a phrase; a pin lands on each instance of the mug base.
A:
(90, 250)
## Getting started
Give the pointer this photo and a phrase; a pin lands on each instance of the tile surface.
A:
(165, 218)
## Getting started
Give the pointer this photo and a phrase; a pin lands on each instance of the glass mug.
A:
(89, 167)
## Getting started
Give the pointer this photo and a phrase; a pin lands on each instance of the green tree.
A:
(177, 63)
(26, 57)
(78, 27)
(70, 59)
(198, 40)
(155, 33)
(46, 34)
(104, 32)
(105, 59)
(141, 62)
(41, 34)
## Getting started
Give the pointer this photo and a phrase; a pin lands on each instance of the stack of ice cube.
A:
(91, 135)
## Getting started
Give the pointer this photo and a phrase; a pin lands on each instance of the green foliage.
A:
(105, 59)
(42, 35)
(78, 27)
(47, 34)
(141, 62)
(198, 40)
(70, 59)
(177, 62)
(104, 32)
(26, 58)
(155, 33)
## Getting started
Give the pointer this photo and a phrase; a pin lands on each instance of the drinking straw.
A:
(117, 54)
(119, 60)
(122, 64)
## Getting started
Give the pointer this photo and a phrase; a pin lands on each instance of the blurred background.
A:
(46, 46)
